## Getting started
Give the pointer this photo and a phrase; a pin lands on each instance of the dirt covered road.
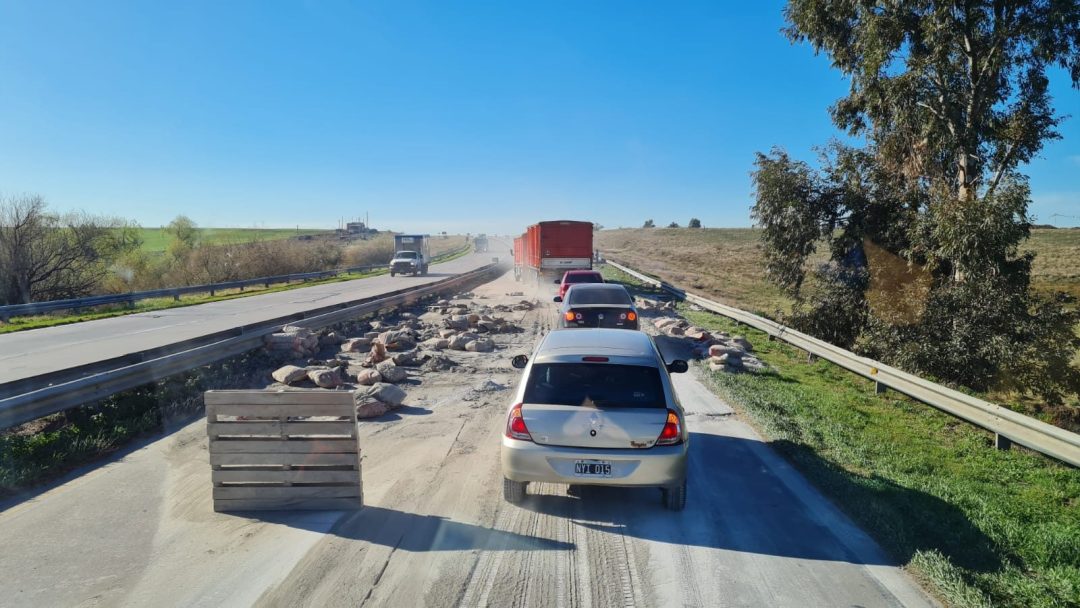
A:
(435, 530)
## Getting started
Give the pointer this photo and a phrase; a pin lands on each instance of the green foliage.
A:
(694, 223)
(951, 100)
(648, 224)
(673, 225)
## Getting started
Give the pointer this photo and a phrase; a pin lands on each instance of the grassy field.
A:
(156, 239)
(978, 526)
(727, 264)
(439, 247)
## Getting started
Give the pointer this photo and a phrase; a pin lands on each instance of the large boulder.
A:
(458, 342)
(697, 333)
(391, 372)
(371, 409)
(325, 377)
(381, 391)
(356, 345)
(723, 349)
(377, 354)
(367, 377)
(409, 358)
(483, 345)
(331, 338)
(459, 322)
(397, 339)
(289, 374)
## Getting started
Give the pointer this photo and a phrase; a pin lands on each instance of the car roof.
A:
(629, 346)
(570, 272)
(605, 286)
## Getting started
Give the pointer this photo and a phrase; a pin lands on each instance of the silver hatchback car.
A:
(596, 407)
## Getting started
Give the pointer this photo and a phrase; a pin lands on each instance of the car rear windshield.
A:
(584, 278)
(600, 296)
(595, 384)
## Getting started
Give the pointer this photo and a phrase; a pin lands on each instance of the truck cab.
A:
(411, 254)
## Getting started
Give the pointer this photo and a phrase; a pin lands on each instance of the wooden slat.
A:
(298, 459)
(268, 492)
(345, 428)
(273, 410)
(285, 504)
(282, 476)
(274, 446)
(295, 398)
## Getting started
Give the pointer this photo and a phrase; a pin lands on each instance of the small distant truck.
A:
(412, 254)
(481, 243)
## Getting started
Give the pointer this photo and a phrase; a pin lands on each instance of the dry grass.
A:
(727, 263)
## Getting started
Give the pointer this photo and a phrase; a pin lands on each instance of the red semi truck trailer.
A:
(548, 249)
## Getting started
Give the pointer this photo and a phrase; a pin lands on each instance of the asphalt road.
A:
(40, 351)
(435, 530)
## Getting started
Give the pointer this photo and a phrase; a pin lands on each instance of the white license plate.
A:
(592, 468)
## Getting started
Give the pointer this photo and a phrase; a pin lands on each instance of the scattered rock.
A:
(371, 409)
(457, 322)
(722, 349)
(377, 354)
(447, 333)
(398, 339)
(488, 386)
(367, 377)
(331, 339)
(391, 372)
(356, 345)
(326, 378)
(289, 374)
(697, 333)
(742, 343)
(483, 345)
(409, 358)
(458, 342)
(380, 391)
(372, 335)
(438, 363)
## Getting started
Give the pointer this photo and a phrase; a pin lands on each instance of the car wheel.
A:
(674, 497)
(514, 491)
(391, 273)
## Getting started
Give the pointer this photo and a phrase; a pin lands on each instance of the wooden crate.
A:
(279, 450)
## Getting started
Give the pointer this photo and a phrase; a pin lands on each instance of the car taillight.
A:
(672, 431)
(569, 316)
(630, 316)
(515, 425)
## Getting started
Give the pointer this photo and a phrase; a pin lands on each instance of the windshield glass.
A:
(595, 384)
(584, 278)
(617, 297)
(411, 255)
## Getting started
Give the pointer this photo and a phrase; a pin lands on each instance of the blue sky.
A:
(477, 116)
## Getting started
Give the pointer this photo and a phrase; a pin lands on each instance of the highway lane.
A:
(435, 530)
(40, 351)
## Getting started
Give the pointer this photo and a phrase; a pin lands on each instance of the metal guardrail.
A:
(1008, 426)
(36, 308)
(32, 398)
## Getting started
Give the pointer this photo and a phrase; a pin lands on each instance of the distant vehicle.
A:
(480, 243)
(597, 305)
(549, 249)
(412, 254)
(596, 407)
(572, 277)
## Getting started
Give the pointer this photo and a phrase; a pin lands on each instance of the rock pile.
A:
(724, 352)
(292, 340)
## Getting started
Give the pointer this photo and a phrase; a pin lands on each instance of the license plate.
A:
(592, 468)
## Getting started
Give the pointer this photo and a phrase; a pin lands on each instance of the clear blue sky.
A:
(458, 116)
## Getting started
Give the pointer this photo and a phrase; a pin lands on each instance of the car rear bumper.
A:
(655, 466)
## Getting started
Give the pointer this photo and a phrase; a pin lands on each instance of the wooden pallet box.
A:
(283, 450)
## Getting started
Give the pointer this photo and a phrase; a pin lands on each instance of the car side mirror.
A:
(677, 366)
(557, 299)
(557, 281)
(521, 361)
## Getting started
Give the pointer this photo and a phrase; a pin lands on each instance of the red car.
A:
(577, 276)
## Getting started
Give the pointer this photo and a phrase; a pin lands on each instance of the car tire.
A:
(514, 491)
(674, 497)
(391, 273)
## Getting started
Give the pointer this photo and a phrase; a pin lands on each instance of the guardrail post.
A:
(810, 357)
(176, 297)
(1002, 442)
(211, 293)
(879, 388)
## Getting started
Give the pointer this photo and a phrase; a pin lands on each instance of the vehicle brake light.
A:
(595, 359)
(631, 315)
(672, 431)
(515, 425)
(569, 316)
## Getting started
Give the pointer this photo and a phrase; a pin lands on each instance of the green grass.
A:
(152, 304)
(156, 239)
(979, 527)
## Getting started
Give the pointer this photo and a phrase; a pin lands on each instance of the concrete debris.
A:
(488, 386)
(325, 378)
(742, 343)
(372, 335)
(356, 345)
(459, 322)
(289, 374)
(331, 338)
(371, 409)
(380, 391)
(367, 377)
(483, 345)
(397, 340)
(438, 363)
(390, 372)
(410, 358)
(377, 354)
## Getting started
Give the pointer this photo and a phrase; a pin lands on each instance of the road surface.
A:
(39, 351)
(435, 530)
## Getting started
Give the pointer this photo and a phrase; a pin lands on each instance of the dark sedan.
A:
(597, 305)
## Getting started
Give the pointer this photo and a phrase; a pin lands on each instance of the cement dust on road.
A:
(435, 530)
